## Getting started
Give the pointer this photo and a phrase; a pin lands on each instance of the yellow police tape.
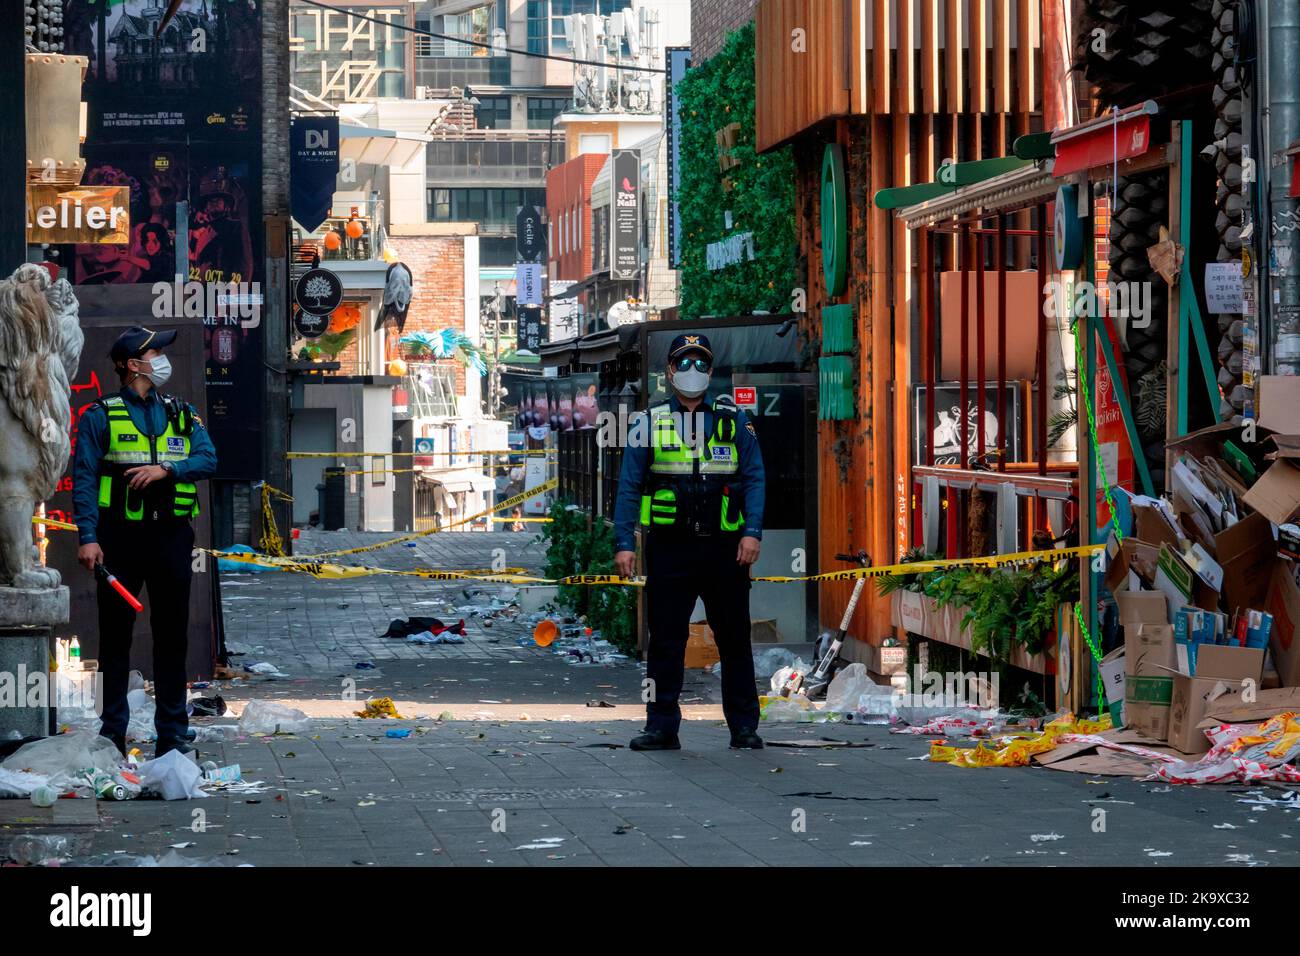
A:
(921, 567)
(51, 523)
(1016, 750)
(324, 570)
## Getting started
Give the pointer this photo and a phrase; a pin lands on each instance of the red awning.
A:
(1103, 141)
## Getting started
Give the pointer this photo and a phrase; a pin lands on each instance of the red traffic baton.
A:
(103, 574)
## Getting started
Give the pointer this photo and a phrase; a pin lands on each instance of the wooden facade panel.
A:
(881, 79)
(801, 78)
(954, 61)
(904, 59)
(928, 75)
(1028, 30)
(1002, 91)
(977, 56)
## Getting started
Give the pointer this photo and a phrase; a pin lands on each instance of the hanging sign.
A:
(318, 291)
(313, 168)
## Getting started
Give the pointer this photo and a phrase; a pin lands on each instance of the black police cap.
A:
(137, 340)
(690, 343)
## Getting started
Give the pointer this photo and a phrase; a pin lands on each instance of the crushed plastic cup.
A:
(44, 796)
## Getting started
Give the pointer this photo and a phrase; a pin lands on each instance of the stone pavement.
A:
(563, 793)
(524, 772)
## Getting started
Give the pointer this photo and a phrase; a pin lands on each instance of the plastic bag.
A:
(173, 775)
(848, 686)
(770, 659)
(268, 717)
(779, 677)
(785, 709)
(62, 758)
(141, 725)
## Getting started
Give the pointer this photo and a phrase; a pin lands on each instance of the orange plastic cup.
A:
(544, 633)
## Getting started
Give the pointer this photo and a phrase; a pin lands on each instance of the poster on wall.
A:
(176, 120)
(946, 427)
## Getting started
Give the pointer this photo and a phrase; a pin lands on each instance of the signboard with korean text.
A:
(625, 215)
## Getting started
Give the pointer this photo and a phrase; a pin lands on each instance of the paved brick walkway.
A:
(526, 773)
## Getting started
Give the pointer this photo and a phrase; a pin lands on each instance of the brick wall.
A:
(568, 189)
(712, 20)
(437, 265)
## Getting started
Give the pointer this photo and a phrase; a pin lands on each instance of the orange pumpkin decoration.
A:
(333, 241)
(397, 367)
(354, 229)
(346, 316)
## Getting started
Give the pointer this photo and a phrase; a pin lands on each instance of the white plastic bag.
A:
(849, 686)
(770, 659)
(268, 717)
(782, 675)
(62, 758)
(173, 775)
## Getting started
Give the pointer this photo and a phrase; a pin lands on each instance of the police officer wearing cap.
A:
(139, 454)
(692, 477)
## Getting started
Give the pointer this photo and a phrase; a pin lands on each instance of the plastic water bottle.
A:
(74, 655)
(44, 796)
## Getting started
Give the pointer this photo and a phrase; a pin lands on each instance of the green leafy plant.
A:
(577, 545)
(1005, 607)
(761, 199)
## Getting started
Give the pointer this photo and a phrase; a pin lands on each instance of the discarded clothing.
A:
(417, 625)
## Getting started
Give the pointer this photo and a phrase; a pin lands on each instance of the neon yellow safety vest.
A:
(128, 447)
(690, 486)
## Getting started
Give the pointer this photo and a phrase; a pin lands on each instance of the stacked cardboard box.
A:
(1205, 578)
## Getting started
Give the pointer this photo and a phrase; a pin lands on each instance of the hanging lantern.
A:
(354, 229)
(333, 241)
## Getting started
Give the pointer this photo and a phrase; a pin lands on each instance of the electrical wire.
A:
(481, 44)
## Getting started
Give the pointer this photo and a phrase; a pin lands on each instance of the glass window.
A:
(493, 112)
(541, 109)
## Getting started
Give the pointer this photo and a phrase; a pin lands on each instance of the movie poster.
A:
(177, 118)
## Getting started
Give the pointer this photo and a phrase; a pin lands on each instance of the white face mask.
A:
(160, 370)
(691, 383)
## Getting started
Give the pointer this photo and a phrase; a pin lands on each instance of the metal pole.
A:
(1040, 413)
(1283, 105)
(496, 349)
(1002, 342)
(980, 439)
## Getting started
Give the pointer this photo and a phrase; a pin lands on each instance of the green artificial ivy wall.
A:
(762, 198)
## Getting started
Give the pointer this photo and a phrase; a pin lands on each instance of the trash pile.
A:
(1205, 581)
(852, 697)
(82, 764)
(571, 639)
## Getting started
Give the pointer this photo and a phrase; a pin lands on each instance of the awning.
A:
(1105, 140)
(579, 287)
(558, 353)
(1013, 190)
(461, 479)
(599, 347)
(380, 147)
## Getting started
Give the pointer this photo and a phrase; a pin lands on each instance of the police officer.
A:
(692, 478)
(139, 454)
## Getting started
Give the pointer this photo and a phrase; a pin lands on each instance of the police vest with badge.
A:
(691, 486)
(129, 447)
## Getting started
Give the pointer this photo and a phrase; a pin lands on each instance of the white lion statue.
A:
(40, 346)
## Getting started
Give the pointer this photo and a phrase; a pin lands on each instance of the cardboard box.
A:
(764, 632)
(1220, 672)
(1278, 403)
(1150, 665)
(1246, 552)
(700, 649)
(1151, 525)
(1277, 493)
(1132, 555)
(1284, 604)
(1142, 607)
(1112, 680)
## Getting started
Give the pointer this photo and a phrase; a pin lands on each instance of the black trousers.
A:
(679, 570)
(155, 556)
